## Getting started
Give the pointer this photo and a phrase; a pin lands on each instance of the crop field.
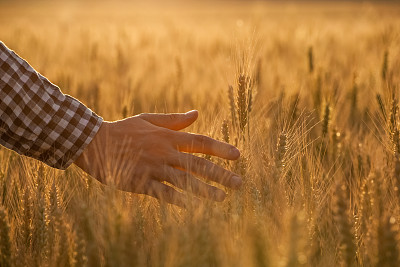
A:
(308, 91)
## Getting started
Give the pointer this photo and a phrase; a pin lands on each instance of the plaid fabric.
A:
(36, 119)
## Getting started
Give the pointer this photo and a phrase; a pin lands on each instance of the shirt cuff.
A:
(88, 124)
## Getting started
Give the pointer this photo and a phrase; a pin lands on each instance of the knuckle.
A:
(199, 161)
(165, 133)
(162, 132)
(202, 139)
(204, 166)
(172, 157)
(173, 117)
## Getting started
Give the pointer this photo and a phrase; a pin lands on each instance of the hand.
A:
(140, 153)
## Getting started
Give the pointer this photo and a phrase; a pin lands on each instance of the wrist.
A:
(86, 160)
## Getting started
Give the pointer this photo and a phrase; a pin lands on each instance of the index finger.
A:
(196, 143)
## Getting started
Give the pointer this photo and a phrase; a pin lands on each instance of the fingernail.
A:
(191, 113)
(235, 152)
(220, 196)
(236, 181)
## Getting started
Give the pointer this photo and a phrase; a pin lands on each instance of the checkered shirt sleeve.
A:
(36, 119)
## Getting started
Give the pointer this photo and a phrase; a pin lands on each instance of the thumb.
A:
(173, 121)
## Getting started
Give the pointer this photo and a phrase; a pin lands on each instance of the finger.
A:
(168, 194)
(207, 170)
(188, 182)
(196, 143)
(174, 121)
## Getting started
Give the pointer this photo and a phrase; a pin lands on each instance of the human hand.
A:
(139, 153)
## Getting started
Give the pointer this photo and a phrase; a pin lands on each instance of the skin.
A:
(147, 153)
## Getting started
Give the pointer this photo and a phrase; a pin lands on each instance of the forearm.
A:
(37, 119)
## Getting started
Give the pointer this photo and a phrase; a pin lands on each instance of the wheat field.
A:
(308, 91)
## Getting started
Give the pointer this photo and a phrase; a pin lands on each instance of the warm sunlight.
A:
(199, 133)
